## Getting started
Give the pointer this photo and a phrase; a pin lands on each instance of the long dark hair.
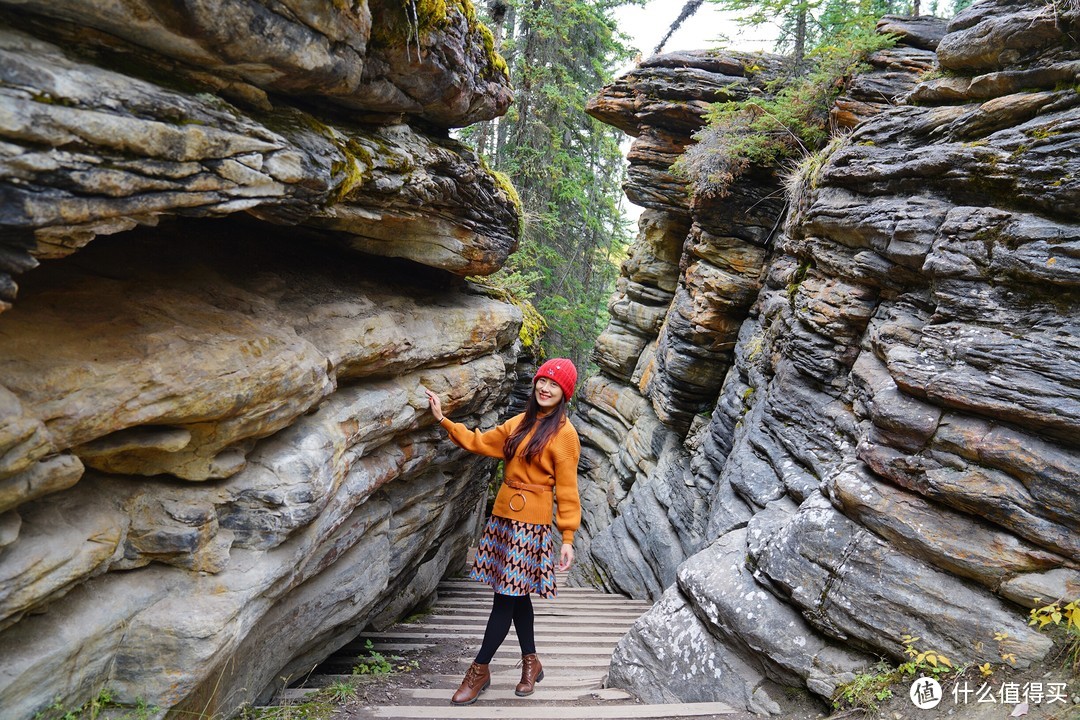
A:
(546, 427)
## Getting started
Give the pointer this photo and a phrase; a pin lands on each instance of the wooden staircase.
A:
(575, 636)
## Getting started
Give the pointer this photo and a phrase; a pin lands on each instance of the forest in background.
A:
(568, 168)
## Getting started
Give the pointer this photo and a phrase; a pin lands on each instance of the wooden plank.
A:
(477, 633)
(440, 622)
(575, 622)
(560, 661)
(545, 691)
(483, 591)
(554, 606)
(508, 649)
(563, 587)
(601, 600)
(525, 711)
(509, 676)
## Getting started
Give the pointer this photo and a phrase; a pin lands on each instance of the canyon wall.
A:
(233, 243)
(838, 415)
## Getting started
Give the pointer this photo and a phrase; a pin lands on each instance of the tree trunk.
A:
(800, 36)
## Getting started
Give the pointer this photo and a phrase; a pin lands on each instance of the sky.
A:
(647, 24)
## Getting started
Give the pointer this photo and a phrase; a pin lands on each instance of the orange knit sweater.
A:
(555, 468)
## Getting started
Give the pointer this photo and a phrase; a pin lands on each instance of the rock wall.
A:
(240, 231)
(808, 444)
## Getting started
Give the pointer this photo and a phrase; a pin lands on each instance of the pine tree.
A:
(566, 166)
(808, 24)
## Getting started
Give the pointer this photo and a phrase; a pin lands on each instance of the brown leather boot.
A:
(532, 672)
(477, 679)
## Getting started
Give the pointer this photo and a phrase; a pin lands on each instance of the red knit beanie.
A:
(561, 371)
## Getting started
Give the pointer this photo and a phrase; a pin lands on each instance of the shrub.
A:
(766, 131)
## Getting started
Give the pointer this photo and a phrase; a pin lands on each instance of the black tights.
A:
(504, 610)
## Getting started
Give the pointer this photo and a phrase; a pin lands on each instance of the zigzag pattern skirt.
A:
(516, 558)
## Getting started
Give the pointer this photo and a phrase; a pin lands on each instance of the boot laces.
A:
(473, 675)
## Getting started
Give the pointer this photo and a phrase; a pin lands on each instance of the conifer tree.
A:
(566, 166)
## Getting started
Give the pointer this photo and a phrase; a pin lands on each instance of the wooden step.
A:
(477, 633)
(508, 651)
(450, 622)
(507, 660)
(525, 711)
(556, 607)
(576, 634)
(508, 677)
(545, 691)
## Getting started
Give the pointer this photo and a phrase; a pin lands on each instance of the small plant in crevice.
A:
(803, 175)
(869, 689)
(375, 663)
(316, 704)
(926, 660)
(796, 280)
(96, 707)
(339, 692)
(1063, 617)
(312, 707)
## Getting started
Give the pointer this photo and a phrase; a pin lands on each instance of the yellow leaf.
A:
(945, 661)
(986, 670)
(999, 636)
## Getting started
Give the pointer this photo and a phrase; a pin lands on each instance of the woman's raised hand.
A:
(434, 404)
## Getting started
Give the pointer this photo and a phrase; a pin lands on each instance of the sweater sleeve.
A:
(481, 442)
(568, 513)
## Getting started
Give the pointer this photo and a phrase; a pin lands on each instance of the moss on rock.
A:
(407, 21)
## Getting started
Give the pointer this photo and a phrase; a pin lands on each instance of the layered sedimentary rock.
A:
(894, 443)
(238, 232)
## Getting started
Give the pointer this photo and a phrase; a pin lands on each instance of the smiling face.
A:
(548, 393)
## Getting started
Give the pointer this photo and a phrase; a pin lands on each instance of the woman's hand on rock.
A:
(434, 404)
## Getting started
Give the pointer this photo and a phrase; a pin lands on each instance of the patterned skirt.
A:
(516, 558)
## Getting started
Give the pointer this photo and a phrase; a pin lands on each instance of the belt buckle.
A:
(514, 497)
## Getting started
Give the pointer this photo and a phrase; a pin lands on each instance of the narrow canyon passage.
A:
(576, 634)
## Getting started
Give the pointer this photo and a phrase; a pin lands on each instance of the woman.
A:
(516, 552)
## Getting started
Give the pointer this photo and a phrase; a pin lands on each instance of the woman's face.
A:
(548, 393)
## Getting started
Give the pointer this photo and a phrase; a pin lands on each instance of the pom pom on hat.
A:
(561, 371)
